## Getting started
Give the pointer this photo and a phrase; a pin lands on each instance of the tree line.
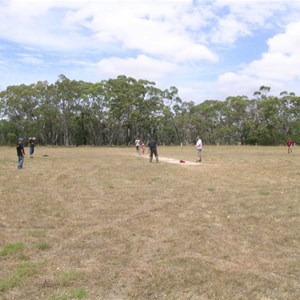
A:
(116, 111)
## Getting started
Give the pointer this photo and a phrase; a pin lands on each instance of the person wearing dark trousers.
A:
(199, 148)
(153, 149)
(20, 153)
(31, 146)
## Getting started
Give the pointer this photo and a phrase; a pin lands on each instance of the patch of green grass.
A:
(20, 275)
(37, 233)
(110, 186)
(57, 296)
(154, 180)
(264, 193)
(78, 294)
(11, 248)
(6, 284)
(68, 278)
(73, 294)
(23, 256)
(24, 271)
(42, 246)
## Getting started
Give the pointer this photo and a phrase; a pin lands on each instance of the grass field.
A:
(103, 223)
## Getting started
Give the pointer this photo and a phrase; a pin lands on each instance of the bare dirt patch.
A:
(170, 160)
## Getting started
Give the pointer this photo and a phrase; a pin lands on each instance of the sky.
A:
(208, 50)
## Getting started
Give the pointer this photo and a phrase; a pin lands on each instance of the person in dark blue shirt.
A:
(20, 153)
(153, 149)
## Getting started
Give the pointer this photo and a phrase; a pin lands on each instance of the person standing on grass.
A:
(153, 149)
(199, 148)
(143, 148)
(20, 153)
(289, 144)
(31, 146)
(138, 145)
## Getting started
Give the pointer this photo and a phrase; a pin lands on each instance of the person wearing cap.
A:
(20, 153)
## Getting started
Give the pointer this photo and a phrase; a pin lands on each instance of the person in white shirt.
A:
(199, 148)
(138, 145)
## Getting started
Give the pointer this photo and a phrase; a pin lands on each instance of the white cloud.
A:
(180, 43)
(141, 67)
(244, 17)
(287, 42)
(155, 28)
(29, 59)
(228, 30)
(278, 68)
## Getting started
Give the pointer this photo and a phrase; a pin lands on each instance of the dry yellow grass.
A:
(103, 223)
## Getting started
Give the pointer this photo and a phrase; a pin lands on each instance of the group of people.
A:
(21, 150)
(140, 148)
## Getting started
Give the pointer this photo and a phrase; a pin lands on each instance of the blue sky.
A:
(207, 49)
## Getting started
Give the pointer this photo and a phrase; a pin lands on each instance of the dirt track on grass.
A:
(174, 161)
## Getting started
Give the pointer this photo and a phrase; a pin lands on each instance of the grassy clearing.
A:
(103, 223)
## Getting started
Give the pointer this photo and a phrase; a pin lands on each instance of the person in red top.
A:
(289, 144)
(143, 148)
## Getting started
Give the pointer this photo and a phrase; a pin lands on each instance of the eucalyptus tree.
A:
(290, 115)
(262, 93)
(66, 96)
(94, 113)
(20, 106)
(2, 105)
(267, 114)
(209, 119)
(8, 131)
(82, 113)
(130, 105)
(117, 100)
(5, 130)
(185, 122)
(252, 122)
(170, 131)
(45, 127)
(236, 119)
(296, 123)
(270, 125)
(147, 110)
